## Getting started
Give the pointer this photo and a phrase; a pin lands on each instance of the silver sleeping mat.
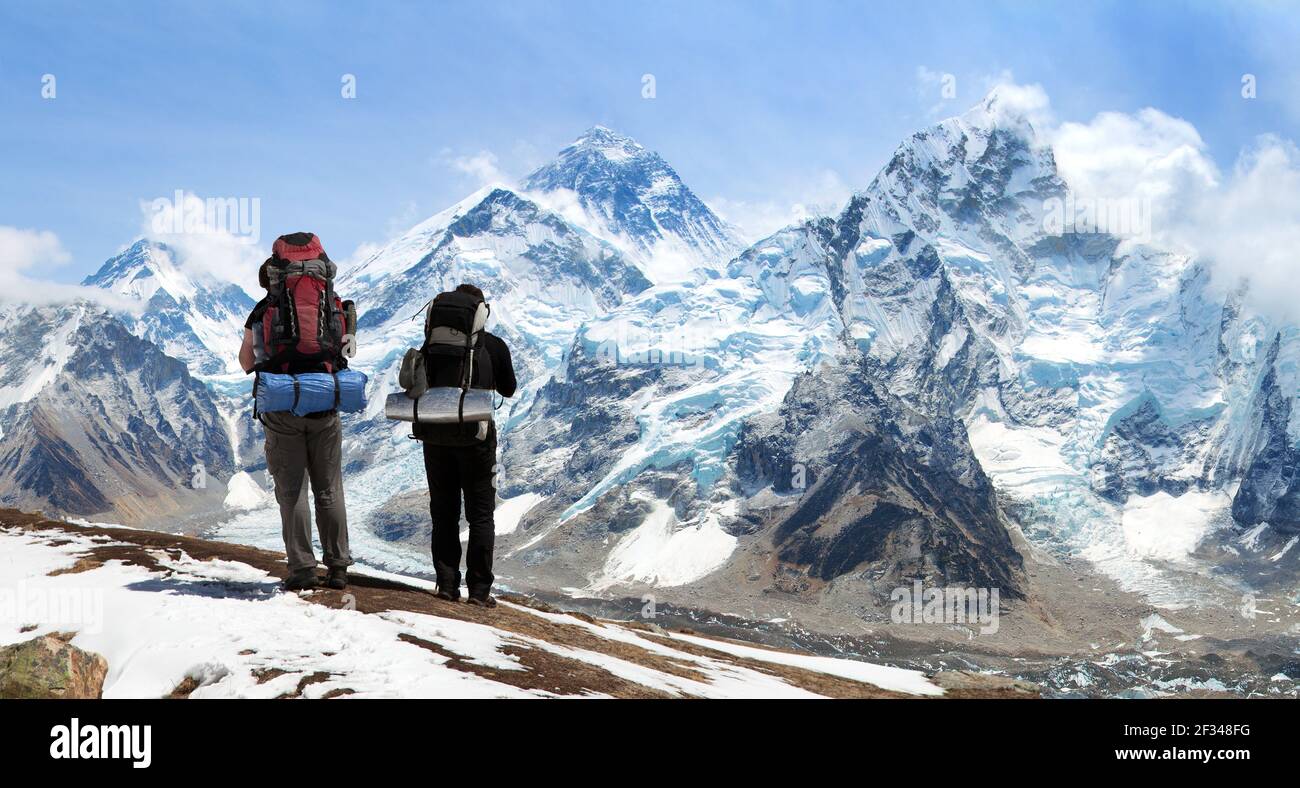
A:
(440, 405)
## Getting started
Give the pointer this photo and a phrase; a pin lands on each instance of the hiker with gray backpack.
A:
(448, 385)
(297, 342)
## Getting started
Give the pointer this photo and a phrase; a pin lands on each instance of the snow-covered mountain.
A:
(111, 413)
(892, 392)
(542, 276)
(98, 422)
(622, 192)
(193, 318)
(1100, 378)
(940, 334)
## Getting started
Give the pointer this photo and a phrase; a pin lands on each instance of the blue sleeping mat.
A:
(311, 392)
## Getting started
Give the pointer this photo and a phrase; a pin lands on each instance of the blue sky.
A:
(759, 105)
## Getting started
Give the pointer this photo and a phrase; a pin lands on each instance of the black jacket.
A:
(500, 371)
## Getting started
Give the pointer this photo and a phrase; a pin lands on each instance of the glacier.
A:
(1097, 380)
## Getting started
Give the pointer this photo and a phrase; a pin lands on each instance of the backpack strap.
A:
(468, 378)
(257, 376)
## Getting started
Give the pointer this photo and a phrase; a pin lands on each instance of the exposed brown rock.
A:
(50, 667)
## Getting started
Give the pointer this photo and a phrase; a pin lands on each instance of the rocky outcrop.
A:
(861, 485)
(50, 667)
(1270, 488)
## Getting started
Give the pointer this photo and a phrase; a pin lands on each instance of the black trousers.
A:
(453, 472)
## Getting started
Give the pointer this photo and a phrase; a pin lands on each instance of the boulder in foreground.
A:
(50, 667)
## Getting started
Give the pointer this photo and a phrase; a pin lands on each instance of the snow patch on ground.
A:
(511, 510)
(662, 552)
(1169, 528)
(898, 679)
(243, 493)
(231, 629)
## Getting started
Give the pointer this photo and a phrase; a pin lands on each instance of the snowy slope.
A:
(667, 380)
(215, 626)
(36, 347)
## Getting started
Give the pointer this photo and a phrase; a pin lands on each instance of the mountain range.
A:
(930, 385)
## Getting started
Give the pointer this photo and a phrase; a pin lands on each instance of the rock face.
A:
(1270, 488)
(50, 667)
(847, 480)
(119, 426)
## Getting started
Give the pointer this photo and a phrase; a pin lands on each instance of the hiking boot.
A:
(486, 600)
(337, 578)
(444, 594)
(301, 580)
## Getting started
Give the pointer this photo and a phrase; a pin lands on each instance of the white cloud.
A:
(22, 249)
(824, 195)
(481, 168)
(1248, 227)
(1007, 98)
(1148, 155)
(214, 239)
(23, 252)
(1242, 223)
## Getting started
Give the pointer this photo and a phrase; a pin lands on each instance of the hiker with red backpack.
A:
(297, 340)
(448, 384)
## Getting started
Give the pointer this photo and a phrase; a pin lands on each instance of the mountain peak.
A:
(1016, 108)
(627, 194)
(188, 314)
(142, 259)
(610, 142)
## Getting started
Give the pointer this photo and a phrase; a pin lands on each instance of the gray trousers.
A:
(298, 450)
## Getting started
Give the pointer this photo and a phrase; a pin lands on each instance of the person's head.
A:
(472, 290)
(262, 278)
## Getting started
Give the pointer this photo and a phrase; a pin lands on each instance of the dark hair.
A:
(262, 278)
(472, 290)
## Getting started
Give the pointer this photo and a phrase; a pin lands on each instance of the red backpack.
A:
(304, 324)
